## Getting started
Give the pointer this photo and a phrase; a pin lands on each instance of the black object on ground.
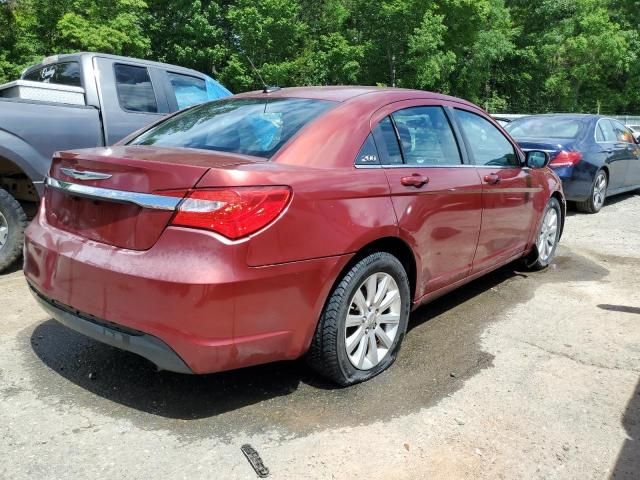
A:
(255, 460)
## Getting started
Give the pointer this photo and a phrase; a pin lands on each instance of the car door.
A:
(614, 151)
(131, 96)
(435, 195)
(507, 190)
(629, 146)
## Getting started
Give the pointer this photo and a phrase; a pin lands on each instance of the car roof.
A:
(70, 57)
(347, 93)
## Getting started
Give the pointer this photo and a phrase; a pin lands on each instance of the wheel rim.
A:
(599, 190)
(4, 231)
(372, 320)
(548, 234)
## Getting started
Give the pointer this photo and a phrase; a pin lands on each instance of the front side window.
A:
(188, 90)
(426, 137)
(66, 73)
(134, 88)
(250, 126)
(487, 144)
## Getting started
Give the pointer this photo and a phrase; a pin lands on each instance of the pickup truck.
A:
(78, 100)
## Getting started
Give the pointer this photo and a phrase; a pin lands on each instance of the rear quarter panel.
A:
(331, 212)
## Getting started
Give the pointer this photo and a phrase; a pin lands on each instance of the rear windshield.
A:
(67, 73)
(545, 127)
(251, 126)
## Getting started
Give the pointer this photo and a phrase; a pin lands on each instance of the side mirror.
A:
(537, 159)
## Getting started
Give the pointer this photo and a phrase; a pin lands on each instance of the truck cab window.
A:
(134, 88)
(188, 90)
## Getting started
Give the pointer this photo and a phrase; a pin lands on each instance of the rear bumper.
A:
(146, 346)
(191, 291)
(576, 181)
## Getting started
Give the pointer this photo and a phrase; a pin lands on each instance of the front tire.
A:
(547, 237)
(598, 194)
(363, 322)
(13, 221)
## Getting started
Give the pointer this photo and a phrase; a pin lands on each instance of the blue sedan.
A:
(595, 156)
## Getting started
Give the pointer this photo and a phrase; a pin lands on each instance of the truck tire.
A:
(13, 221)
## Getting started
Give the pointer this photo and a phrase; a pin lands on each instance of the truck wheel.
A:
(363, 322)
(13, 221)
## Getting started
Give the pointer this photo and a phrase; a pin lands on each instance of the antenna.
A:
(266, 88)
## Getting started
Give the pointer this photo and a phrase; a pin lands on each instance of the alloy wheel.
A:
(4, 231)
(599, 190)
(372, 320)
(548, 234)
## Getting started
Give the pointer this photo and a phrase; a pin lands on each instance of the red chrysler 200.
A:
(276, 224)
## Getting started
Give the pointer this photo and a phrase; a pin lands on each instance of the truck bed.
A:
(37, 129)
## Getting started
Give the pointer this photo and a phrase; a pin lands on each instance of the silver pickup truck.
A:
(74, 101)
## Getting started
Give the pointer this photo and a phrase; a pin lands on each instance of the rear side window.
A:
(387, 142)
(134, 88)
(426, 137)
(250, 126)
(66, 73)
(487, 144)
(368, 154)
(188, 90)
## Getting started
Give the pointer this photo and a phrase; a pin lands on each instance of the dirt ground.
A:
(517, 375)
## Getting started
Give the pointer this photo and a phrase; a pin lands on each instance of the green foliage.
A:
(517, 55)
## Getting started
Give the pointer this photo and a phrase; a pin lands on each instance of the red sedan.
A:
(277, 224)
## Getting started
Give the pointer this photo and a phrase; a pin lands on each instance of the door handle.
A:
(414, 180)
(492, 178)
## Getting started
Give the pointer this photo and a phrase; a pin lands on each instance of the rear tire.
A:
(597, 196)
(13, 221)
(358, 334)
(547, 237)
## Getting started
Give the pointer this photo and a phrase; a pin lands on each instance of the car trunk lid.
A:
(125, 196)
(562, 151)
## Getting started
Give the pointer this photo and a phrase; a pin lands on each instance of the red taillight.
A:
(232, 212)
(566, 159)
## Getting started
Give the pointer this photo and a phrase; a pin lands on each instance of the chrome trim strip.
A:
(462, 165)
(144, 200)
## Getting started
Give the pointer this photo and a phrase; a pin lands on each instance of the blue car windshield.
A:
(250, 126)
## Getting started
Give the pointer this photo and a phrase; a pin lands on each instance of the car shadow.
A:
(131, 380)
(572, 210)
(628, 462)
(14, 267)
(619, 308)
(455, 319)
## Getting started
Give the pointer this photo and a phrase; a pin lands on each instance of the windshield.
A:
(545, 127)
(251, 126)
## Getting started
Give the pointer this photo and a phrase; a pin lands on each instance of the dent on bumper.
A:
(147, 346)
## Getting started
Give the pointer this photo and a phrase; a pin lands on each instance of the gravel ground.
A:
(517, 375)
